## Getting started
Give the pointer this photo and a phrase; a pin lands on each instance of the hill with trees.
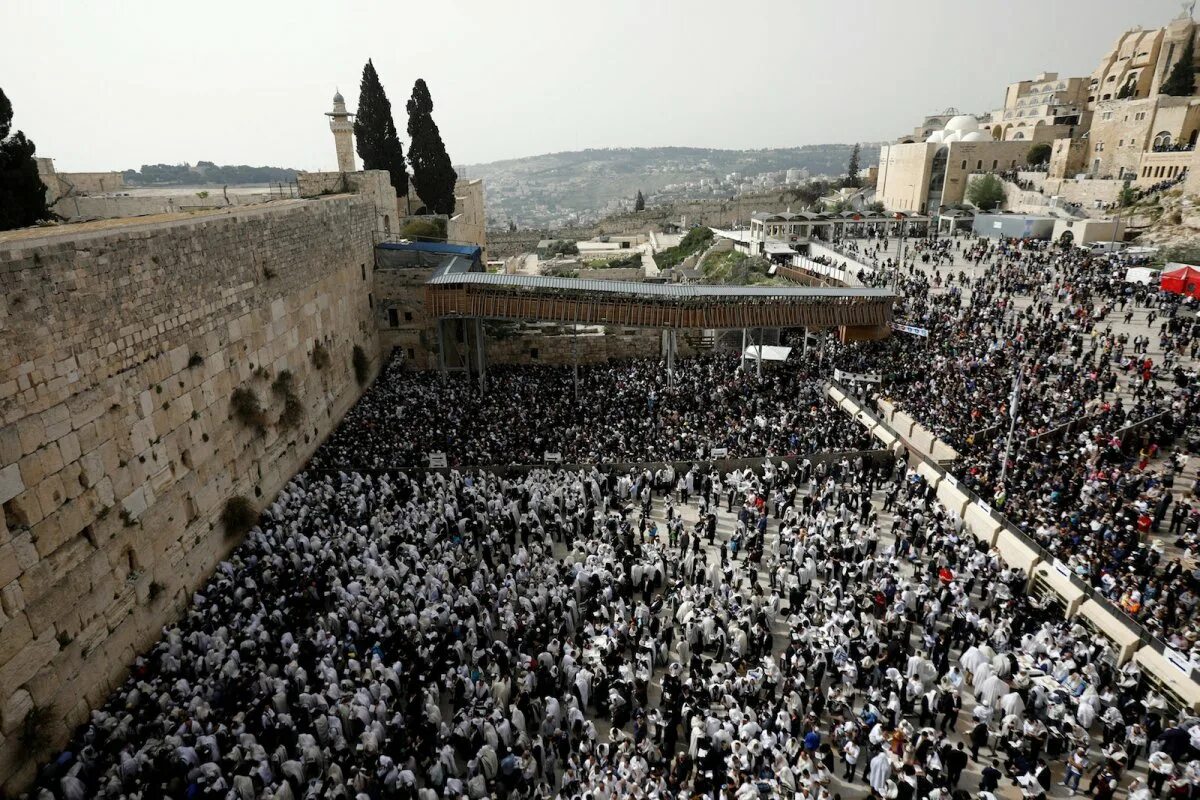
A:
(581, 186)
(205, 172)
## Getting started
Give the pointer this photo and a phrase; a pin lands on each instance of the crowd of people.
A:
(467, 635)
(1082, 477)
(816, 627)
(626, 412)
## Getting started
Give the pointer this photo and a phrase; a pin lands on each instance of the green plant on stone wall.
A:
(247, 408)
(238, 516)
(362, 367)
(320, 356)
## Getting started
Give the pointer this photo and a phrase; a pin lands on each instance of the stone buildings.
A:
(1106, 130)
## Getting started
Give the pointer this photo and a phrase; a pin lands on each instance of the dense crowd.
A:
(1093, 411)
(475, 636)
(811, 628)
(627, 411)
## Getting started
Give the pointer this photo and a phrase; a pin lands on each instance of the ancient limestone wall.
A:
(120, 349)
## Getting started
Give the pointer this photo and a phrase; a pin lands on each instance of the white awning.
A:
(769, 352)
(778, 249)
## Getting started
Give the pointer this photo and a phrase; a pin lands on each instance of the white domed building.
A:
(926, 176)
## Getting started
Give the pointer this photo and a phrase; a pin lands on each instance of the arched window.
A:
(1162, 140)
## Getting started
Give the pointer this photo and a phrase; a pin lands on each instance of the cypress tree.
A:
(1182, 80)
(22, 193)
(852, 169)
(433, 173)
(639, 203)
(375, 135)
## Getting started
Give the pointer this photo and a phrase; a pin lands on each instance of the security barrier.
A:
(1165, 670)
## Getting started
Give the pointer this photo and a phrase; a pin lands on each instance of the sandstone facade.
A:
(119, 351)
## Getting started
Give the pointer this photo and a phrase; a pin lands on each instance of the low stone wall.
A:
(119, 443)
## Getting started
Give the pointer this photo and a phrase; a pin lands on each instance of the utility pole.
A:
(1013, 407)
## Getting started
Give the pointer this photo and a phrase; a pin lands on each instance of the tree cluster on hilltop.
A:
(205, 172)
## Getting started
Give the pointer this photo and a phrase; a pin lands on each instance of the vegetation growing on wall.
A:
(362, 367)
(238, 516)
(695, 241)
(247, 408)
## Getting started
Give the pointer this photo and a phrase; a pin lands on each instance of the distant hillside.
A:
(580, 186)
(205, 172)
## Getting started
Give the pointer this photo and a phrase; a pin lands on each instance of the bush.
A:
(433, 228)
(362, 367)
(1038, 154)
(320, 356)
(238, 516)
(247, 408)
(282, 386)
(195, 360)
(293, 411)
(986, 192)
(695, 240)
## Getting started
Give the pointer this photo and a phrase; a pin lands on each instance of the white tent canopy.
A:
(769, 352)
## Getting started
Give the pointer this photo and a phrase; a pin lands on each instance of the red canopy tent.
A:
(1181, 279)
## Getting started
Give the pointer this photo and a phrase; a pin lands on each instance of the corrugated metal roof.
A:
(676, 291)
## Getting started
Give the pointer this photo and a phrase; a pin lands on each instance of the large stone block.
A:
(11, 483)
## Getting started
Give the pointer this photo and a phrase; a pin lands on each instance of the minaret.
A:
(343, 133)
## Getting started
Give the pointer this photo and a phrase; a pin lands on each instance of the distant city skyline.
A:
(102, 87)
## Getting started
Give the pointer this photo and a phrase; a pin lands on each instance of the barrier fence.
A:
(977, 513)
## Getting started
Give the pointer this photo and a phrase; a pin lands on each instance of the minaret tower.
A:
(343, 133)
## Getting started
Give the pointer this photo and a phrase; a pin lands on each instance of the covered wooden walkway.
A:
(648, 305)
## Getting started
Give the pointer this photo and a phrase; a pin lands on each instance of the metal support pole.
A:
(1013, 407)
(575, 357)
(670, 358)
(743, 353)
(760, 354)
(441, 336)
(804, 352)
(480, 354)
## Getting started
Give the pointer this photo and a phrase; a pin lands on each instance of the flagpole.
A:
(1013, 406)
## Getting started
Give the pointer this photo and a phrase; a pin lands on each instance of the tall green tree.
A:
(1039, 154)
(639, 202)
(375, 135)
(852, 168)
(22, 193)
(1182, 80)
(986, 192)
(433, 173)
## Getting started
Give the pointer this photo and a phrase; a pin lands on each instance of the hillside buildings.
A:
(1117, 127)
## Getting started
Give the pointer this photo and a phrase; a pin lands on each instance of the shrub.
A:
(362, 367)
(1039, 154)
(282, 386)
(247, 408)
(195, 360)
(986, 192)
(293, 411)
(238, 516)
(320, 356)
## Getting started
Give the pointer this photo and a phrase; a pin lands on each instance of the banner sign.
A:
(913, 329)
(437, 460)
(865, 377)
(553, 458)
(1177, 660)
(719, 452)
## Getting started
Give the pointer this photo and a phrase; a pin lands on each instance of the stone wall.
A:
(551, 347)
(122, 345)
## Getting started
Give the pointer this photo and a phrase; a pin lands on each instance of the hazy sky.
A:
(113, 85)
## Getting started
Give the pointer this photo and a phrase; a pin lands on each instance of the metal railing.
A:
(1088, 590)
